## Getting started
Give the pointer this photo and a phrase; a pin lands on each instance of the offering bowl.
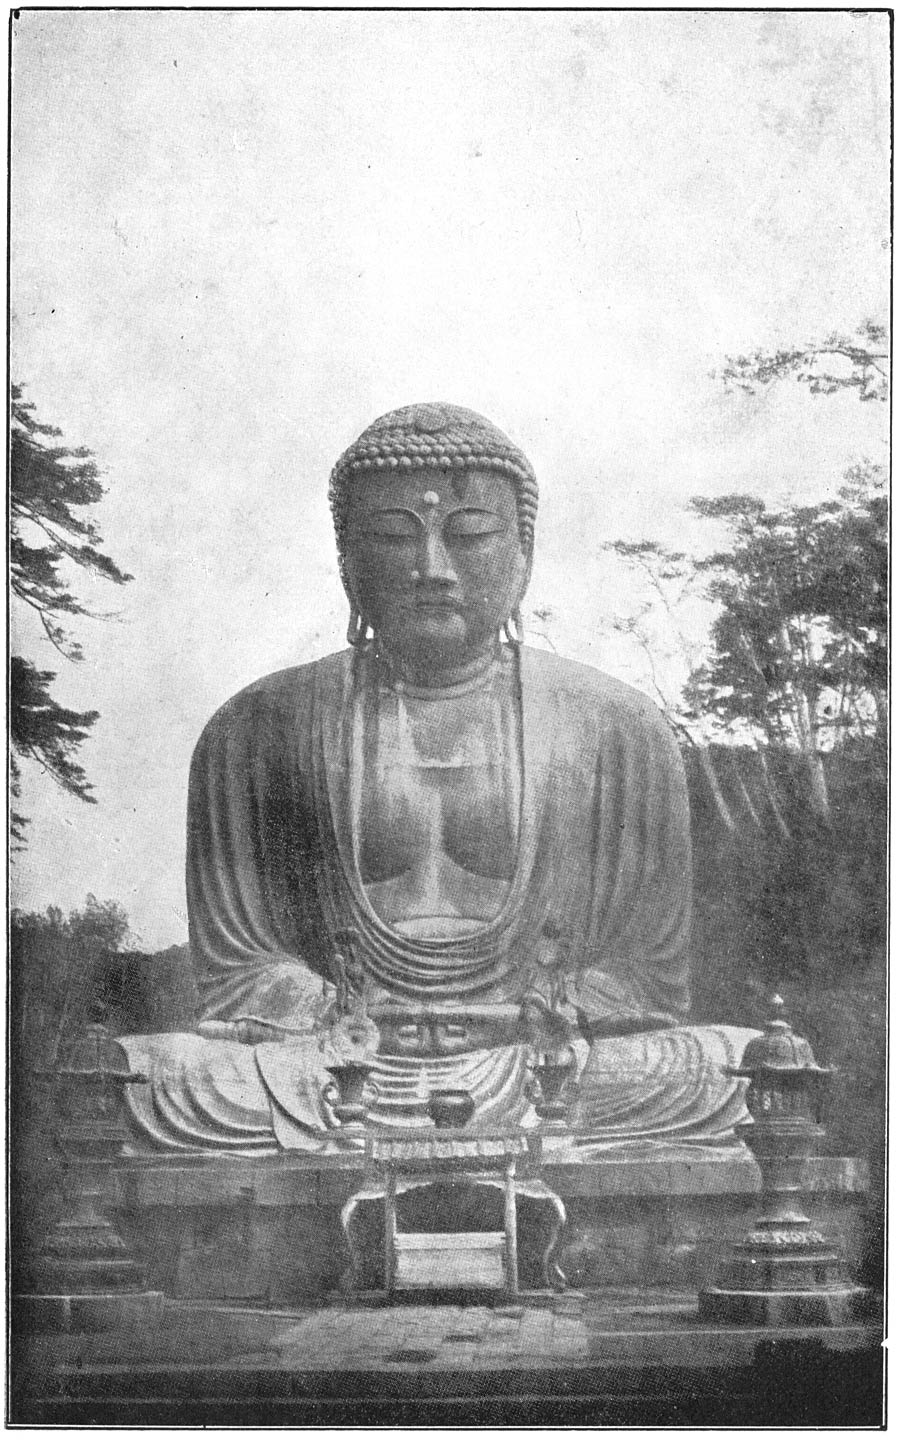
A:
(450, 1108)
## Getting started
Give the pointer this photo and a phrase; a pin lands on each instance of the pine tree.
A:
(839, 362)
(50, 485)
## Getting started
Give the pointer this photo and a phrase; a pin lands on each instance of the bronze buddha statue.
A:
(503, 833)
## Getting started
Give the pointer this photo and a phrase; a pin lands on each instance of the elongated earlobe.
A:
(514, 628)
(358, 633)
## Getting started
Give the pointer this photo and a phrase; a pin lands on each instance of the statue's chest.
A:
(441, 783)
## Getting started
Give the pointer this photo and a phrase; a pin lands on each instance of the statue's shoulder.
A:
(283, 695)
(590, 695)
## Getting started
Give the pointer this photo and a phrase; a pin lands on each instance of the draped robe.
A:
(273, 874)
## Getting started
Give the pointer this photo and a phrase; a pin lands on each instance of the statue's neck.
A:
(435, 677)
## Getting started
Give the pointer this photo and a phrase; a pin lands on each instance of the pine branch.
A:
(48, 483)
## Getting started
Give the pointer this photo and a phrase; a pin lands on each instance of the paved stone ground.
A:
(360, 1337)
(628, 1348)
(439, 1336)
(606, 1328)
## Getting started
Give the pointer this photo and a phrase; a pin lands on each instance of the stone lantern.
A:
(782, 1272)
(87, 1277)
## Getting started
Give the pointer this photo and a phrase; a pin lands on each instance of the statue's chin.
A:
(430, 650)
(431, 640)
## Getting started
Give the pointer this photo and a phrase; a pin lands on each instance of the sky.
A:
(238, 237)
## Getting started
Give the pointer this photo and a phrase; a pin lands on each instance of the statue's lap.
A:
(221, 1096)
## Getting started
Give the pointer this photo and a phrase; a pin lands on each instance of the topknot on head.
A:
(440, 436)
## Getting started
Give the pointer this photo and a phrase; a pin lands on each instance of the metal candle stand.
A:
(549, 1088)
(347, 1093)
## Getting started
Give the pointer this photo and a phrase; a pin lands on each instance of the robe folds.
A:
(273, 875)
(603, 853)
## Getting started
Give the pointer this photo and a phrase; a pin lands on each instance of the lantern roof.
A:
(779, 1049)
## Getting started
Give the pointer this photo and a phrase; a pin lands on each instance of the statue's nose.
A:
(436, 563)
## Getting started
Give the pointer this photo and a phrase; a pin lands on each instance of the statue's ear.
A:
(526, 578)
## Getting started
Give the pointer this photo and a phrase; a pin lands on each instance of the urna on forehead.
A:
(434, 437)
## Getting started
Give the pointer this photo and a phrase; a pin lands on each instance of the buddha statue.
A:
(476, 847)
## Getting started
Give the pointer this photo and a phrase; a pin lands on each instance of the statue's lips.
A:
(440, 603)
(434, 610)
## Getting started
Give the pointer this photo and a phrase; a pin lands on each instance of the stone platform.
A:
(268, 1232)
(612, 1357)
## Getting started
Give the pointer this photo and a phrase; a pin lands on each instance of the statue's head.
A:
(434, 510)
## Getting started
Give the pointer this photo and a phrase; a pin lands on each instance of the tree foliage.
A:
(839, 362)
(51, 487)
(46, 731)
(798, 652)
(658, 626)
(54, 959)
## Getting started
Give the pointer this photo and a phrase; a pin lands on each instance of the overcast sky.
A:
(237, 238)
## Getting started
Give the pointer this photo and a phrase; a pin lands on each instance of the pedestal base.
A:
(267, 1231)
(783, 1272)
(839, 1306)
(65, 1314)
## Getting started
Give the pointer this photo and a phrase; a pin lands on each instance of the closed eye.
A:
(390, 537)
(473, 525)
(390, 525)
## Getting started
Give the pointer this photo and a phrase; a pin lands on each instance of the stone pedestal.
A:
(87, 1276)
(783, 1272)
(267, 1232)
